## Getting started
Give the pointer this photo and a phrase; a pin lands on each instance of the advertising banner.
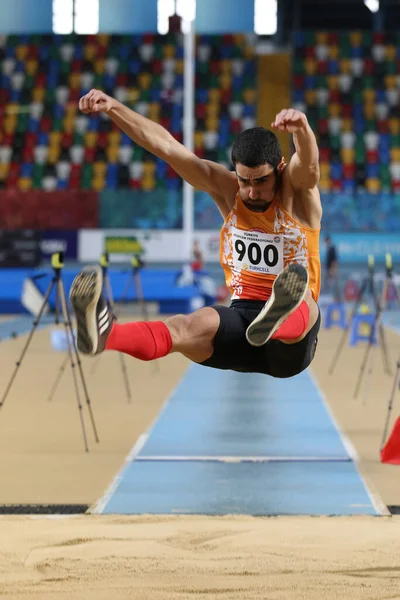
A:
(356, 247)
(168, 246)
(19, 248)
(122, 245)
(157, 246)
(59, 241)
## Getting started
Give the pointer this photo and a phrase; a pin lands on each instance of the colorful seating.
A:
(348, 86)
(47, 143)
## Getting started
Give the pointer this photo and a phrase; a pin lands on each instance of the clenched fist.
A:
(96, 101)
(290, 120)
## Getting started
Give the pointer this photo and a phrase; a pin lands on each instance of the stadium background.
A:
(67, 172)
(74, 183)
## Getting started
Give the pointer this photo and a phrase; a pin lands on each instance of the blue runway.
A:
(230, 443)
(216, 413)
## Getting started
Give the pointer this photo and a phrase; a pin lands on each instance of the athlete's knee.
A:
(194, 331)
(313, 310)
(302, 320)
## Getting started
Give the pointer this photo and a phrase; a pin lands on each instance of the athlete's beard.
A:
(256, 205)
(259, 205)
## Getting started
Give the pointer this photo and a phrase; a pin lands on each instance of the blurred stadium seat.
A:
(43, 78)
(46, 143)
(348, 85)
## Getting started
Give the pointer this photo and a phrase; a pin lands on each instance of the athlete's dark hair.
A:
(255, 147)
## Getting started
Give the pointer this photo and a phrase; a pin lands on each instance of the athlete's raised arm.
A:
(204, 175)
(303, 167)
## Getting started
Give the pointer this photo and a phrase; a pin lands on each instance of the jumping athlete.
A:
(269, 251)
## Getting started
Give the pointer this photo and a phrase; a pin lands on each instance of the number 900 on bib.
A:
(257, 252)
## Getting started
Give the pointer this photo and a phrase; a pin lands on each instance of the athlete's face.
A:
(257, 186)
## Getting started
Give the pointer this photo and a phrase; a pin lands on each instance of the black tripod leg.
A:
(362, 368)
(125, 376)
(378, 303)
(369, 373)
(139, 294)
(390, 405)
(108, 289)
(74, 349)
(385, 355)
(373, 333)
(57, 319)
(385, 293)
(376, 331)
(28, 341)
(70, 342)
(346, 331)
(58, 379)
(124, 294)
(339, 350)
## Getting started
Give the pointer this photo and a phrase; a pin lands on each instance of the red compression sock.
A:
(143, 340)
(295, 325)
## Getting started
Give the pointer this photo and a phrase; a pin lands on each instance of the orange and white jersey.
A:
(255, 247)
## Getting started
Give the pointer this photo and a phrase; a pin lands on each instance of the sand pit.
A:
(235, 558)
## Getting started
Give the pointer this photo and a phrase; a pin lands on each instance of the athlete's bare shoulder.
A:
(304, 205)
(225, 193)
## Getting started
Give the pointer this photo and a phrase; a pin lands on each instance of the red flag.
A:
(390, 453)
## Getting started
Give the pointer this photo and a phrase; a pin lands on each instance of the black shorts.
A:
(232, 350)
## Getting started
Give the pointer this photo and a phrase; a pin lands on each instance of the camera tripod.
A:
(368, 286)
(388, 284)
(104, 263)
(136, 265)
(57, 262)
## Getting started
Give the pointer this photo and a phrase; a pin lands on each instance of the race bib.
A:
(257, 252)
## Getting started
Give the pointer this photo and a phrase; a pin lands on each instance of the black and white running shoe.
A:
(287, 294)
(93, 315)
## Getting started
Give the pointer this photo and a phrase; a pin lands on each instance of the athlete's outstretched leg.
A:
(191, 335)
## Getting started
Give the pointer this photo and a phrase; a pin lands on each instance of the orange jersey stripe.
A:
(255, 247)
